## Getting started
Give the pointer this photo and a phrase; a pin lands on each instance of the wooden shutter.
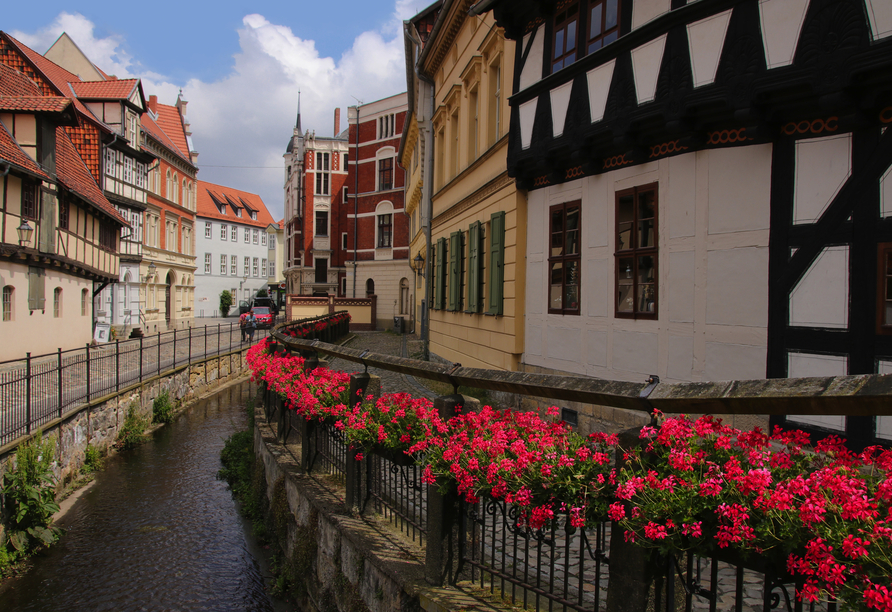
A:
(454, 263)
(496, 263)
(473, 268)
(441, 274)
(36, 288)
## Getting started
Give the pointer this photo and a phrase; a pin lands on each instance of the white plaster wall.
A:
(713, 269)
(532, 69)
(387, 276)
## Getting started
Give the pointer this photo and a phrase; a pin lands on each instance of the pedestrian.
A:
(242, 321)
(250, 324)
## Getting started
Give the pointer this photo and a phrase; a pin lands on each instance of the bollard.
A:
(442, 512)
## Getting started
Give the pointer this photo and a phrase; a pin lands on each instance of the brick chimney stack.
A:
(153, 104)
(337, 123)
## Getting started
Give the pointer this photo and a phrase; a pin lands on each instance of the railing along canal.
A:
(562, 567)
(41, 388)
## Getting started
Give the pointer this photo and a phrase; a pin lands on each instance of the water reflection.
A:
(157, 531)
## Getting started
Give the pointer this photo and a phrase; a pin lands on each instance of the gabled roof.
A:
(209, 194)
(14, 83)
(73, 174)
(171, 121)
(12, 153)
(151, 127)
(105, 90)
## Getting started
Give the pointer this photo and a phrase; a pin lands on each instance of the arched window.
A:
(370, 287)
(85, 300)
(185, 193)
(404, 296)
(8, 294)
(175, 195)
(168, 187)
(384, 225)
(57, 302)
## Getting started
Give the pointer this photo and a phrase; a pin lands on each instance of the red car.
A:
(264, 317)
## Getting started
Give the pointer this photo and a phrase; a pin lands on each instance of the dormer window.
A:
(253, 216)
(238, 212)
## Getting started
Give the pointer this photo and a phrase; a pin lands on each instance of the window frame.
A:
(208, 269)
(57, 303)
(208, 228)
(635, 252)
(384, 230)
(602, 33)
(316, 223)
(8, 303)
(560, 25)
(30, 208)
(223, 262)
(385, 172)
(565, 257)
(322, 169)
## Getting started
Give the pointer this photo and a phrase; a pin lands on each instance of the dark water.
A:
(157, 531)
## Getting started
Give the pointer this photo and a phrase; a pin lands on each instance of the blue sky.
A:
(240, 66)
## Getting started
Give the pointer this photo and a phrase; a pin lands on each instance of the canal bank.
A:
(157, 530)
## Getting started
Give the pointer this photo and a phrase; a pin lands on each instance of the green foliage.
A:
(29, 491)
(262, 293)
(132, 431)
(162, 408)
(92, 459)
(225, 302)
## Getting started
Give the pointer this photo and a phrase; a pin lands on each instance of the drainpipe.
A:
(428, 208)
(356, 203)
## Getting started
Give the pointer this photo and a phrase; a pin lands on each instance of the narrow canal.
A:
(157, 531)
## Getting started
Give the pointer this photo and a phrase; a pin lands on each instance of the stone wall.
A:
(98, 422)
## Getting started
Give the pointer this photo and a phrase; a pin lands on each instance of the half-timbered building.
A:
(709, 188)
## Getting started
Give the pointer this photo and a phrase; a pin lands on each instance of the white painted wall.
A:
(713, 220)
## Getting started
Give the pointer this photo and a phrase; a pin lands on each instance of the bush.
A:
(92, 459)
(131, 433)
(162, 408)
(225, 303)
(29, 491)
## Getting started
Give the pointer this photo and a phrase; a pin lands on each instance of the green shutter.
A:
(496, 263)
(473, 270)
(454, 283)
(441, 274)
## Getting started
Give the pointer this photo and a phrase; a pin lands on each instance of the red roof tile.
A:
(14, 83)
(10, 152)
(105, 90)
(34, 104)
(151, 127)
(170, 120)
(73, 174)
(206, 207)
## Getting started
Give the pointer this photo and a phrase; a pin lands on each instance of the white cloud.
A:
(246, 118)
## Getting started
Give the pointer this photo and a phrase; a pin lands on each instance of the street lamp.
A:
(418, 264)
(25, 232)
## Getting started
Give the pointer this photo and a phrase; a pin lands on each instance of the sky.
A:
(239, 66)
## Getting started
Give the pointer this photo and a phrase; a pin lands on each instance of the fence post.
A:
(117, 365)
(159, 354)
(28, 392)
(190, 347)
(174, 348)
(355, 493)
(88, 373)
(140, 359)
(60, 380)
(442, 511)
(631, 567)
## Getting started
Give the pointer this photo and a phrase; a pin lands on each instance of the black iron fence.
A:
(566, 568)
(41, 388)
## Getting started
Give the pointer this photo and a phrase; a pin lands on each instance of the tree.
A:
(261, 293)
(225, 302)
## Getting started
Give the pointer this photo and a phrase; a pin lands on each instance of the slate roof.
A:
(105, 90)
(207, 209)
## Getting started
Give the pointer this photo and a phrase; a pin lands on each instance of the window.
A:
(603, 24)
(247, 266)
(475, 267)
(223, 231)
(8, 293)
(57, 303)
(473, 124)
(238, 212)
(322, 175)
(262, 267)
(29, 201)
(63, 214)
(884, 290)
(564, 37)
(456, 138)
(386, 126)
(495, 101)
(636, 252)
(370, 287)
(263, 239)
(247, 236)
(345, 194)
(272, 268)
(255, 236)
(132, 132)
(496, 262)
(223, 265)
(253, 216)
(440, 275)
(344, 241)
(385, 230)
(207, 263)
(322, 223)
(85, 302)
(256, 267)
(385, 174)
(233, 266)
(207, 230)
(563, 258)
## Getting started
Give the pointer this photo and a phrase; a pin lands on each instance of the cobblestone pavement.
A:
(386, 343)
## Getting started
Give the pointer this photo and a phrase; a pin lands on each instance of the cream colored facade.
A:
(470, 66)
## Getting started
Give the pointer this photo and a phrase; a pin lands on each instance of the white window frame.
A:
(233, 265)
(207, 263)
(207, 229)
(223, 265)
(247, 266)
(255, 268)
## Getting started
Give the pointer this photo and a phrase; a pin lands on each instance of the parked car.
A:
(265, 317)
(265, 301)
(243, 307)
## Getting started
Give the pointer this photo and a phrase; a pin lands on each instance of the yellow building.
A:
(467, 217)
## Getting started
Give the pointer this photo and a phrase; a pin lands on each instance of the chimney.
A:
(337, 124)
(153, 104)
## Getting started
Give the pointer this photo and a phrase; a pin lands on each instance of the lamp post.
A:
(24, 231)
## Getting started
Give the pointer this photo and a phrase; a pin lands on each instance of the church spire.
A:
(297, 123)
